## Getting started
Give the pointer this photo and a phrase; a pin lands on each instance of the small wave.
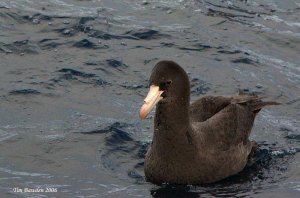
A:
(69, 74)
(22, 46)
(73, 72)
(245, 61)
(24, 92)
(116, 63)
(86, 43)
(199, 87)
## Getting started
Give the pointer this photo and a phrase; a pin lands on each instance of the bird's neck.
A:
(172, 113)
(172, 126)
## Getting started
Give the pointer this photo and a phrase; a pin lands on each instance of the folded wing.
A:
(226, 121)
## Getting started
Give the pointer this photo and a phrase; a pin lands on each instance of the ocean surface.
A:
(74, 73)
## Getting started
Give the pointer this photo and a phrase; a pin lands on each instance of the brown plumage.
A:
(196, 143)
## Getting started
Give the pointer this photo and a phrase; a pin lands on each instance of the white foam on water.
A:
(118, 188)
(20, 173)
(290, 69)
(52, 136)
(72, 9)
(175, 27)
(10, 178)
(279, 20)
(62, 8)
(280, 121)
(294, 185)
(268, 29)
(289, 33)
(6, 135)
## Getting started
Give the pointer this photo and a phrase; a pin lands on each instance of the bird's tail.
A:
(253, 101)
(258, 105)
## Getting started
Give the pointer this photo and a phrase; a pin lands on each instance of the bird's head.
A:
(168, 82)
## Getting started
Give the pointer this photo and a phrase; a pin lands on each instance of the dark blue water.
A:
(74, 74)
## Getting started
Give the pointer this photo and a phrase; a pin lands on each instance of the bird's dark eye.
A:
(164, 85)
(169, 82)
